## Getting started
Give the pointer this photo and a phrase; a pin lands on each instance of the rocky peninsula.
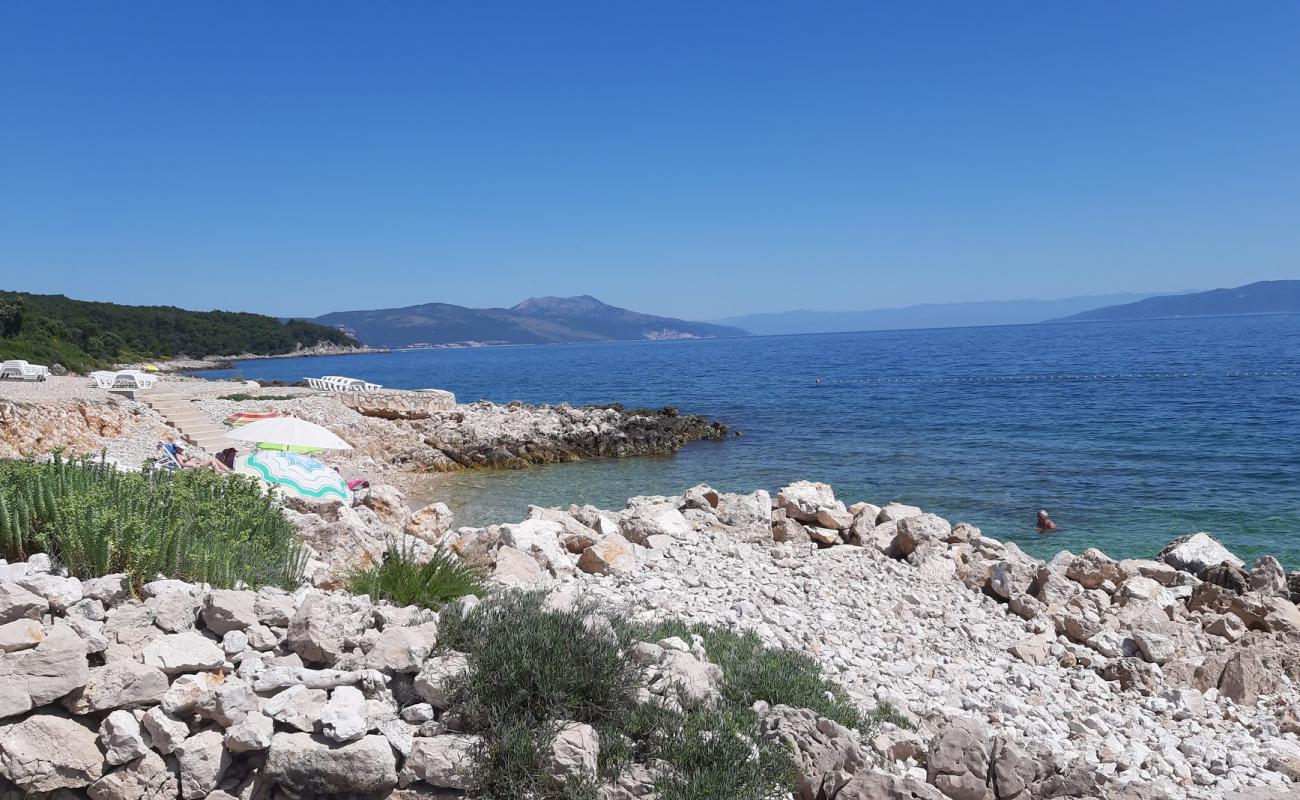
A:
(393, 433)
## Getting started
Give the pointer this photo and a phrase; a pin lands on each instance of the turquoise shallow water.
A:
(1129, 433)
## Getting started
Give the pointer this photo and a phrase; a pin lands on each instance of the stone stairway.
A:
(181, 413)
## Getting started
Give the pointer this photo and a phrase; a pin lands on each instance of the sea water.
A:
(1128, 433)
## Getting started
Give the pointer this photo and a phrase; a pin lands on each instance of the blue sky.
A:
(700, 159)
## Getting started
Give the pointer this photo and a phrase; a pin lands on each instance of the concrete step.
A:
(190, 419)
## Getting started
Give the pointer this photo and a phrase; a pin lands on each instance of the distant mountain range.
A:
(929, 315)
(1264, 297)
(537, 320)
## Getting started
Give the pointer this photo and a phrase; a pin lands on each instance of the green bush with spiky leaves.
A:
(402, 579)
(194, 525)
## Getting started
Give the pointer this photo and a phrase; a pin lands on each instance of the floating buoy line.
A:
(1113, 376)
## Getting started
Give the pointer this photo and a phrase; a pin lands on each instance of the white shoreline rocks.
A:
(1078, 677)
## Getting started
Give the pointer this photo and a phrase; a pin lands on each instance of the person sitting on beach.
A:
(227, 458)
(1044, 523)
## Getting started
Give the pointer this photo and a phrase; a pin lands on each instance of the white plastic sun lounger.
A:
(339, 383)
(126, 379)
(134, 379)
(21, 370)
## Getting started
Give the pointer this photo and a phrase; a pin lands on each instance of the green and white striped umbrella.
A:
(295, 474)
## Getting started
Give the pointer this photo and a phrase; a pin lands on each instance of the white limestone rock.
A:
(177, 653)
(121, 738)
(318, 765)
(44, 753)
(440, 761)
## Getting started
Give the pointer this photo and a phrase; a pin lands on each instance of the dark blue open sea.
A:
(1129, 433)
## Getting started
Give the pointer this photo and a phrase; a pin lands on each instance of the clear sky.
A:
(691, 158)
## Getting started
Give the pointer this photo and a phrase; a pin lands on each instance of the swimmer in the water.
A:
(1044, 523)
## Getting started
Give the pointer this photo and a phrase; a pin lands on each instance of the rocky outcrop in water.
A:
(428, 431)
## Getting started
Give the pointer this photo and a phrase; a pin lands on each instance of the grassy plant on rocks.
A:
(753, 671)
(195, 525)
(401, 579)
(532, 666)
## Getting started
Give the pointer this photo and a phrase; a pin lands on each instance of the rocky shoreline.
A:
(393, 433)
(1015, 678)
(429, 431)
(184, 365)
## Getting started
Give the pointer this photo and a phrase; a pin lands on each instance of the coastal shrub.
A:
(194, 525)
(531, 665)
(716, 754)
(401, 579)
(753, 671)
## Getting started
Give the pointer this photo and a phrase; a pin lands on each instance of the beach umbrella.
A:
(242, 418)
(288, 433)
(295, 474)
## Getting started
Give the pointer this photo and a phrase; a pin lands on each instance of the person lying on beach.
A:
(1044, 523)
(197, 460)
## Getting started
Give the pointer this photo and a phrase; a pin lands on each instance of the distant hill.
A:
(537, 320)
(929, 315)
(51, 328)
(1264, 297)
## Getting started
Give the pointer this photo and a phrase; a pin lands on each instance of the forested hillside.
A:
(80, 335)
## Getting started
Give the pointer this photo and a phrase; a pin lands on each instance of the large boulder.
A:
(641, 521)
(430, 523)
(121, 737)
(1092, 568)
(403, 649)
(146, 778)
(328, 624)
(119, 684)
(226, 610)
(872, 785)
(442, 761)
(802, 500)
(388, 503)
(1230, 577)
(818, 746)
(17, 603)
(749, 514)
(1197, 553)
(44, 753)
(611, 555)
(896, 512)
(315, 765)
(202, 760)
(516, 568)
(53, 668)
(574, 752)
(920, 530)
(540, 538)
(958, 761)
